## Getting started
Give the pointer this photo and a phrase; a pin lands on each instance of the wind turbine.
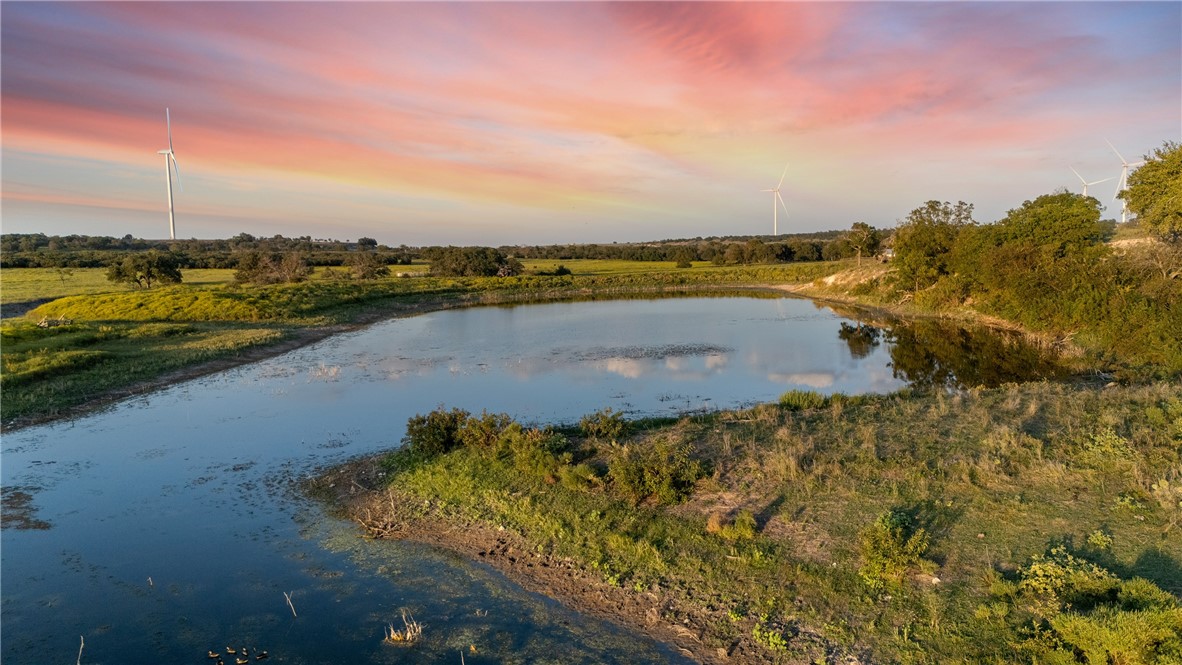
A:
(1124, 181)
(776, 197)
(1085, 182)
(169, 167)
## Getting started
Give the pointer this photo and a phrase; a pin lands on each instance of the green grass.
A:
(992, 478)
(49, 370)
(25, 284)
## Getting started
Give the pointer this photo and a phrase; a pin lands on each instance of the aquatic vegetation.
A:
(409, 634)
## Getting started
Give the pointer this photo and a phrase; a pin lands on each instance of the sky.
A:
(489, 123)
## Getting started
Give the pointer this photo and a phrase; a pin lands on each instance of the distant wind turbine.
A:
(1085, 182)
(170, 166)
(776, 197)
(1124, 181)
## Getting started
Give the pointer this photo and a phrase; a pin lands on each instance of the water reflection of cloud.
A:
(626, 367)
(675, 363)
(810, 379)
(717, 361)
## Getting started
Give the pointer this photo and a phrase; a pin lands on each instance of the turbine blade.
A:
(781, 200)
(1120, 184)
(168, 123)
(1097, 182)
(1081, 178)
(782, 177)
(1122, 159)
(177, 169)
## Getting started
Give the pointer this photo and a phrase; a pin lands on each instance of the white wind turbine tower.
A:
(1085, 182)
(169, 167)
(776, 197)
(1124, 181)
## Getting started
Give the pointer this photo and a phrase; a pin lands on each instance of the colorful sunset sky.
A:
(550, 122)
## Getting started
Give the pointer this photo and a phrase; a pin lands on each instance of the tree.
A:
(863, 239)
(923, 241)
(273, 268)
(1154, 193)
(145, 268)
(471, 262)
(367, 265)
(684, 256)
(366, 243)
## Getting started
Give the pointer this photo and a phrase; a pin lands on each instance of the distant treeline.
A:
(37, 250)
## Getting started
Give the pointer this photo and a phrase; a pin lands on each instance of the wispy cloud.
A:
(551, 117)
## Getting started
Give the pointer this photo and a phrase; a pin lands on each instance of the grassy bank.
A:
(125, 340)
(1035, 523)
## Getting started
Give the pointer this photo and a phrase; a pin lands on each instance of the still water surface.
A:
(170, 524)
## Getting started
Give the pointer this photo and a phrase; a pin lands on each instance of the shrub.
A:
(435, 433)
(539, 452)
(891, 546)
(604, 424)
(663, 471)
(1084, 613)
(484, 431)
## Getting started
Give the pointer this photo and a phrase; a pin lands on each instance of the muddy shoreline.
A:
(357, 491)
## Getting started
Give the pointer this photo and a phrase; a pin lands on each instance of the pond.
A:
(168, 525)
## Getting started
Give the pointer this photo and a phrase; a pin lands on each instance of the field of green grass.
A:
(1025, 524)
(25, 284)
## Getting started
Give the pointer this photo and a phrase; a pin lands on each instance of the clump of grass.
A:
(742, 527)
(409, 634)
(800, 400)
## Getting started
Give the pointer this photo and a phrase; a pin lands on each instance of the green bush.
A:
(485, 430)
(663, 471)
(435, 433)
(604, 424)
(540, 452)
(891, 546)
(1074, 611)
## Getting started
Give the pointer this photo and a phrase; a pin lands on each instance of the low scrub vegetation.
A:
(1023, 524)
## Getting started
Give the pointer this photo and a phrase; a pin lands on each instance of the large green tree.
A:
(471, 262)
(146, 268)
(923, 241)
(1154, 193)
